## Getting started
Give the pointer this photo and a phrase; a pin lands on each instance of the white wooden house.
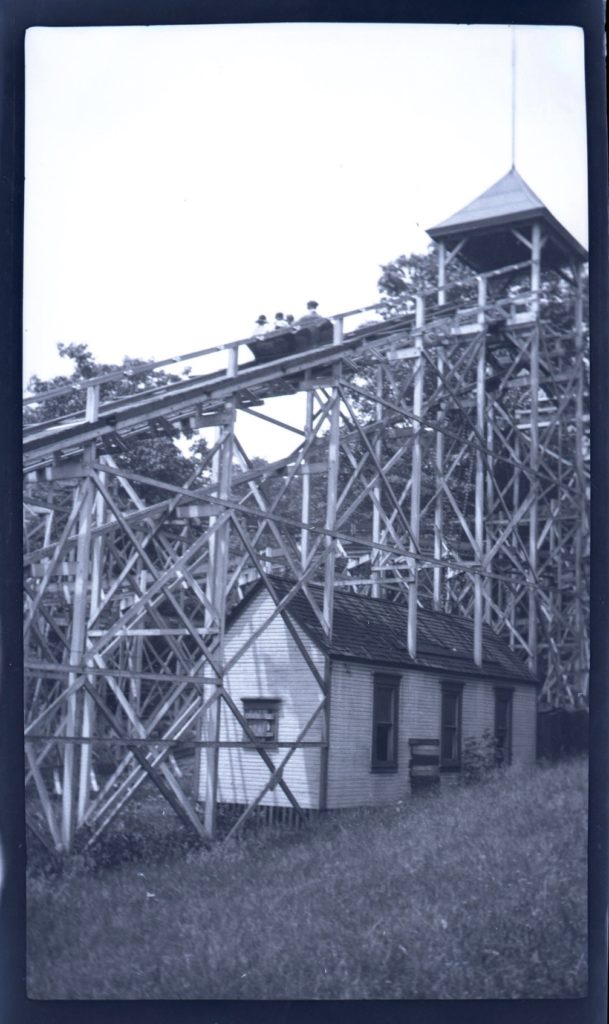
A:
(379, 699)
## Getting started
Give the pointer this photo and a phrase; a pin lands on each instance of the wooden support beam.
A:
(480, 473)
(454, 252)
(536, 240)
(216, 595)
(45, 800)
(262, 752)
(78, 636)
(441, 274)
(88, 708)
(163, 581)
(490, 469)
(277, 773)
(306, 485)
(438, 501)
(330, 567)
(415, 490)
(52, 565)
(581, 538)
(380, 470)
(377, 590)
(162, 778)
(131, 774)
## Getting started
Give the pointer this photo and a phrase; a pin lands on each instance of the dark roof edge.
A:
(483, 224)
(244, 603)
(478, 673)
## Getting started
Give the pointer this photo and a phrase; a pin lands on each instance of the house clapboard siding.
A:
(273, 667)
(351, 783)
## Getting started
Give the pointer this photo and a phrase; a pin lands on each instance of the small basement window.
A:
(503, 726)
(385, 723)
(262, 717)
(450, 729)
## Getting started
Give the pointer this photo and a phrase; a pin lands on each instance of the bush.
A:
(480, 757)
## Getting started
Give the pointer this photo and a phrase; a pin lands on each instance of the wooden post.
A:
(330, 562)
(78, 637)
(580, 659)
(332, 487)
(479, 492)
(536, 245)
(438, 519)
(306, 484)
(216, 594)
(77, 646)
(375, 560)
(88, 710)
(441, 274)
(488, 583)
(415, 489)
(534, 443)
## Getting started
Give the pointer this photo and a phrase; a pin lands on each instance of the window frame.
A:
(269, 704)
(504, 695)
(452, 689)
(385, 766)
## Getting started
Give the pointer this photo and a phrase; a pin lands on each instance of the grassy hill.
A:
(479, 892)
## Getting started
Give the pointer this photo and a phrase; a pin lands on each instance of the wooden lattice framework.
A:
(441, 461)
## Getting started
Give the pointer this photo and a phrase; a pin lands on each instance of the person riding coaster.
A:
(310, 331)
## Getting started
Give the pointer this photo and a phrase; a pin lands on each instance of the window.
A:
(385, 723)
(450, 729)
(262, 717)
(503, 726)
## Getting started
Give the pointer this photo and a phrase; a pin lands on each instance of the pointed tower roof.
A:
(485, 227)
(508, 197)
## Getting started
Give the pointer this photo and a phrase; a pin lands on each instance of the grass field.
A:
(477, 893)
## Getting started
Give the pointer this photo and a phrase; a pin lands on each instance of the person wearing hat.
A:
(262, 326)
(311, 314)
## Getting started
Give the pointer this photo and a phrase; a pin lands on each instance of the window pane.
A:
(384, 703)
(384, 743)
(261, 718)
(449, 743)
(259, 729)
(450, 709)
(384, 722)
(503, 723)
(450, 728)
(502, 714)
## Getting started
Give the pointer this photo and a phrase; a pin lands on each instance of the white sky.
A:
(182, 180)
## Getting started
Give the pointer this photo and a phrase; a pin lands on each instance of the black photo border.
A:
(15, 17)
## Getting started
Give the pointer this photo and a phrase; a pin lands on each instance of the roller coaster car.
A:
(277, 344)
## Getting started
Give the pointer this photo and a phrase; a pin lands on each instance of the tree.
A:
(407, 276)
(151, 455)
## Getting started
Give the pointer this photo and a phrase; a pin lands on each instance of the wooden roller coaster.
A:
(441, 462)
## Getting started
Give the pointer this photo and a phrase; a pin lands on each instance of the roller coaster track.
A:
(182, 399)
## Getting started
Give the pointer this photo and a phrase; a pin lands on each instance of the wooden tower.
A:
(533, 402)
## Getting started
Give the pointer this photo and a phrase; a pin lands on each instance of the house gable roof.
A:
(374, 631)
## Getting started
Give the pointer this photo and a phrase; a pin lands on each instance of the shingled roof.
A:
(371, 630)
(510, 201)
(509, 197)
